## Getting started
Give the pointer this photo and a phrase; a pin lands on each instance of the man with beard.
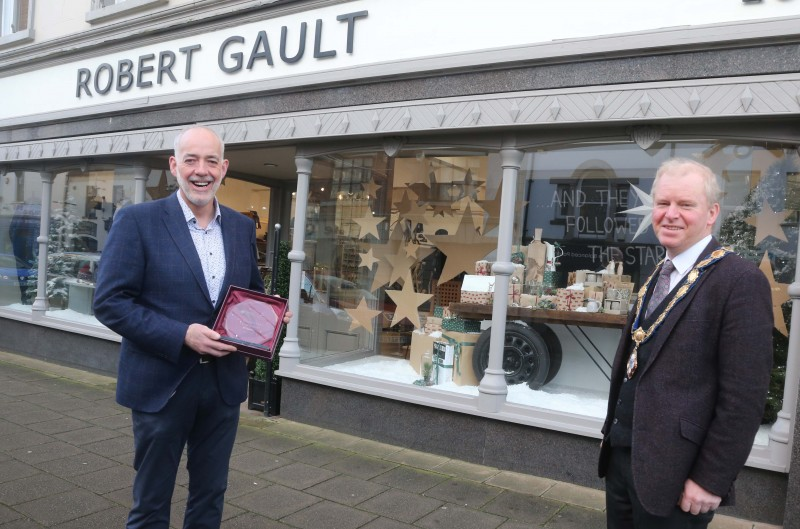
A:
(162, 278)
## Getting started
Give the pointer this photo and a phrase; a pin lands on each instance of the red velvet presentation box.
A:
(252, 321)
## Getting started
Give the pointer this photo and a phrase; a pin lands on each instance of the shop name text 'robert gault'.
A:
(234, 54)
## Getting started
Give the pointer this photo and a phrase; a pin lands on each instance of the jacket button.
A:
(616, 420)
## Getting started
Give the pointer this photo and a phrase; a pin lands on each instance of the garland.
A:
(640, 335)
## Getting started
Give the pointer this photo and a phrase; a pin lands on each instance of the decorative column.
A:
(140, 174)
(290, 350)
(782, 431)
(493, 389)
(40, 304)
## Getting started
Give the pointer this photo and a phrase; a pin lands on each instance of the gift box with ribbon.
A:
(569, 299)
(463, 347)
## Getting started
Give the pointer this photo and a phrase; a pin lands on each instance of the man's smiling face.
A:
(199, 166)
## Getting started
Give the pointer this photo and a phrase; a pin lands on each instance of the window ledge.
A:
(120, 10)
(13, 39)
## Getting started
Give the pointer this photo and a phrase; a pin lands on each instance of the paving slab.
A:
(330, 515)
(299, 475)
(347, 490)
(359, 466)
(410, 479)
(400, 505)
(463, 492)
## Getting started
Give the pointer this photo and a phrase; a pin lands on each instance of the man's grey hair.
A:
(177, 141)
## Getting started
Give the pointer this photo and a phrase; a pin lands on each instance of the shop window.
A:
(20, 211)
(103, 10)
(390, 241)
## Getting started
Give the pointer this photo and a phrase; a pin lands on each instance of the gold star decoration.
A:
(768, 222)
(369, 225)
(371, 189)
(362, 316)
(463, 248)
(407, 302)
(368, 259)
(162, 189)
(780, 295)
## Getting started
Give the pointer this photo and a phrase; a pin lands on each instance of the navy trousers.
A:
(197, 418)
(623, 510)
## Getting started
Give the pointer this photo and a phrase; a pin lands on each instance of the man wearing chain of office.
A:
(690, 377)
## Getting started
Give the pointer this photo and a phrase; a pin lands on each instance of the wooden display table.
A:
(472, 311)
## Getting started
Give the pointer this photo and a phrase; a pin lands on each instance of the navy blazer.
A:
(700, 398)
(150, 288)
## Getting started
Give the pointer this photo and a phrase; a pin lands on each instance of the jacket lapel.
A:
(179, 232)
(678, 310)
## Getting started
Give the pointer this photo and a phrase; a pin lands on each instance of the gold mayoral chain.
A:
(641, 335)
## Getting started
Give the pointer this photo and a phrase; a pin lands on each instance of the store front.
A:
(425, 204)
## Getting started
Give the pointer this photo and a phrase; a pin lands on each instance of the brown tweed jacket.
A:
(700, 399)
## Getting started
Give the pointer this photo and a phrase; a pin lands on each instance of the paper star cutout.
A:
(768, 222)
(371, 189)
(368, 259)
(780, 295)
(162, 189)
(362, 316)
(407, 302)
(463, 248)
(401, 265)
(423, 191)
(369, 225)
(645, 210)
(492, 208)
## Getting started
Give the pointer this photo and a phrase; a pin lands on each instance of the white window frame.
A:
(8, 8)
(104, 10)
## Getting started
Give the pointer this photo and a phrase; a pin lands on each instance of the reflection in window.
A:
(83, 206)
(20, 211)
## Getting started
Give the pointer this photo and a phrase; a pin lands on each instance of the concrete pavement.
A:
(66, 463)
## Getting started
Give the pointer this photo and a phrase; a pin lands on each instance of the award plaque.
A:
(252, 321)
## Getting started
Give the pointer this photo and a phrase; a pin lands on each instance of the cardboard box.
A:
(463, 348)
(477, 289)
(420, 343)
(569, 299)
(252, 321)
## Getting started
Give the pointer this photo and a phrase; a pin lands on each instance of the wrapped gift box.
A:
(477, 289)
(595, 293)
(569, 299)
(420, 342)
(252, 321)
(438, 311)
(528, 300)
(443, 358)
(480, 298)
(433, 324)
(460, 325)
(514, 294)
(483, 268)
(463, 347)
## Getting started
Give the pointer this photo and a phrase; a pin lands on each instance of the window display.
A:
(399, 253)
(20, 212)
